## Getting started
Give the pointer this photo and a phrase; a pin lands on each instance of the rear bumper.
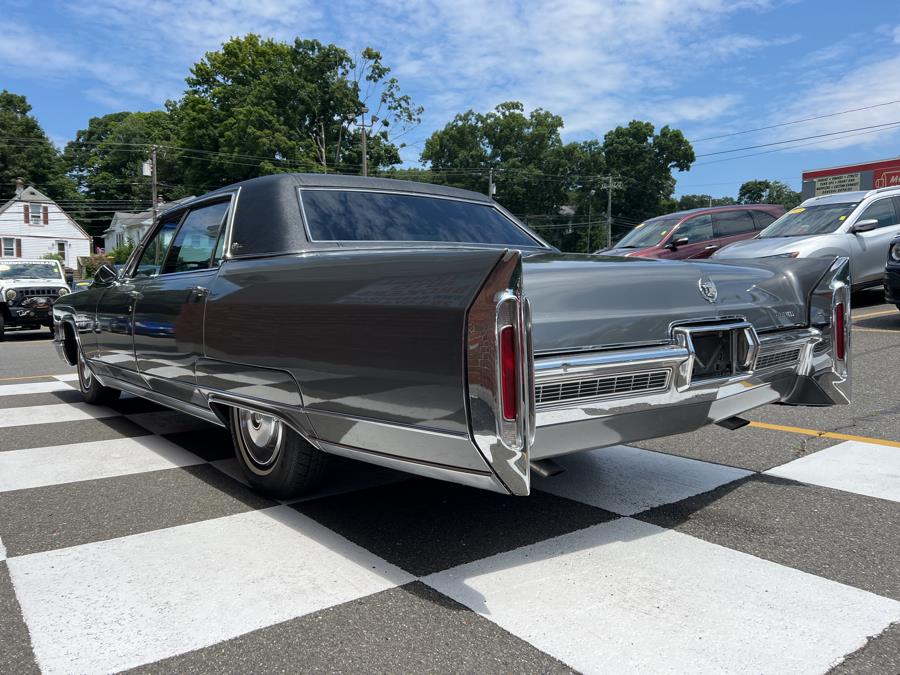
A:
(792, 367)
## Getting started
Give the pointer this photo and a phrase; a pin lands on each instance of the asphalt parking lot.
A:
(128, 541)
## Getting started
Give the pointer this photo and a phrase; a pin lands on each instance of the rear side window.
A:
(196, 239)
(698, 228)
(347, 215)
(730, 223)
(763, 219)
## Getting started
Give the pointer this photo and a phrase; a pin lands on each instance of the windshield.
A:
(649, 233)
(807, 220)
(355, 215)
(30, 270)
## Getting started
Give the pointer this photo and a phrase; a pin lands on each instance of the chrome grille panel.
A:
(571, 390)
(781, 357)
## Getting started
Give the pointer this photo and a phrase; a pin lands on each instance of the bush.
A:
(53, 256)
(92, 263)
(120, 254)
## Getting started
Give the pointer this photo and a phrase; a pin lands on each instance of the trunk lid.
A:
(584, 302)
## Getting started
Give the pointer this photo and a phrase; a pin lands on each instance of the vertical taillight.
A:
(839, 332)
(508, 368)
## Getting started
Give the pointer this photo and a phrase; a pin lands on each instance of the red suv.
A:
(697, 233)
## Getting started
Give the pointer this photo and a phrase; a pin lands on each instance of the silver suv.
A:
(859, 225)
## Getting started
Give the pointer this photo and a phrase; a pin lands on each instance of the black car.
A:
(892, 274)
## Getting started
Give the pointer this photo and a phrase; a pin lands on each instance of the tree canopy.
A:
(27, 153)
(768, 192)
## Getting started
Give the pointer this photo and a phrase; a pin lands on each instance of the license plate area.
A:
(719, 351)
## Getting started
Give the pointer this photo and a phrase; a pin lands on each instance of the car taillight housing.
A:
(839, 329)
(500, 374)
(509, 391)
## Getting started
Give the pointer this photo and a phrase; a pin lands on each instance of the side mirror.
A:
(105, 275)
(678, 241)
(866, 225)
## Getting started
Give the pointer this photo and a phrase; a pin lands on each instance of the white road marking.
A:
(116, 604)
(58, 412)
(864, 468)
(2, 551)
(37, 467)
(67, 377)
(627, 596)
(32, 388)
(628, 480)
(168, 422)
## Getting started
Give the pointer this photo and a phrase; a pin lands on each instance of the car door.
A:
(729, 227)
(699, 232)
(115, 308)
(168, 313)
(871, 247)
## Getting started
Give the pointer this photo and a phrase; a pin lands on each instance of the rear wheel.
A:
(91, 389)
(276, 460)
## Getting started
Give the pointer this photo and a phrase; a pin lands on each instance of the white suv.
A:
(28, 289)
(859, 225)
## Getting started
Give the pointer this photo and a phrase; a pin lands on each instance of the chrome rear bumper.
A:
(622, 396)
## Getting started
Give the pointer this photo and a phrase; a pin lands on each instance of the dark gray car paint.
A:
(375, 334)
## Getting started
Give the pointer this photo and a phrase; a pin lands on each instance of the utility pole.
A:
(362, 137)
(491, 182)
(611, 184)
(365, 158)
(153, 180)
(590, 213)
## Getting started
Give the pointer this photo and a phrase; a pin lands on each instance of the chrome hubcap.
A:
(84, 373)
(260, 440)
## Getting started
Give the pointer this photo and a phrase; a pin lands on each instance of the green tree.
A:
(521, 150)
(261, 106)
(27, 153)
(105, 159)
(687, 202)
(768, 192)
(643, 160)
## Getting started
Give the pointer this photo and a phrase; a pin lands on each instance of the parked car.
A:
(892, 274)
(858, 225)
(424, 328)
(697, 233)
(28, 289)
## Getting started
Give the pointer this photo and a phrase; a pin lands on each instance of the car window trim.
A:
(538, 243)
(187, 213)
(185, 209)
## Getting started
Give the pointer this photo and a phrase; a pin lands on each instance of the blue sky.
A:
(708, 67)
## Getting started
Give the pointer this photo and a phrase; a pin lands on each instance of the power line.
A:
(801, 138)
(800, 121)
(792, 147)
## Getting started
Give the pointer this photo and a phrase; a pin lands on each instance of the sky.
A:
(707, 67)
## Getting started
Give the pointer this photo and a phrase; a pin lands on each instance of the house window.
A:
(61, 249)
(35, 214)
(120, 239)
(9, 248)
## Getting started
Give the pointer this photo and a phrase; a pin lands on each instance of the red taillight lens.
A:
(839, 346)
(508, 373)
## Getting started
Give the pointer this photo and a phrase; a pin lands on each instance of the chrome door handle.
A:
(200, 291)
(710, 248)
(136, 295)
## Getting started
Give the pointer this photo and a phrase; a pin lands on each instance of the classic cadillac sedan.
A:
(424, 328)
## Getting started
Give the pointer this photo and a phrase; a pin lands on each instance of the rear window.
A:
(349, 215)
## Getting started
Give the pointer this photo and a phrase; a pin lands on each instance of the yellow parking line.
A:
(883, 312)
(877, 330)
(824, 434)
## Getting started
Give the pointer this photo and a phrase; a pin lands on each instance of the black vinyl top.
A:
(268, 218)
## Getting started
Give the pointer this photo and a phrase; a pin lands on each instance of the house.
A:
(33, 225)
(131, 227)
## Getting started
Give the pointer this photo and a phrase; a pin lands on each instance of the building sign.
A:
(829, 185)
(888, 177)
